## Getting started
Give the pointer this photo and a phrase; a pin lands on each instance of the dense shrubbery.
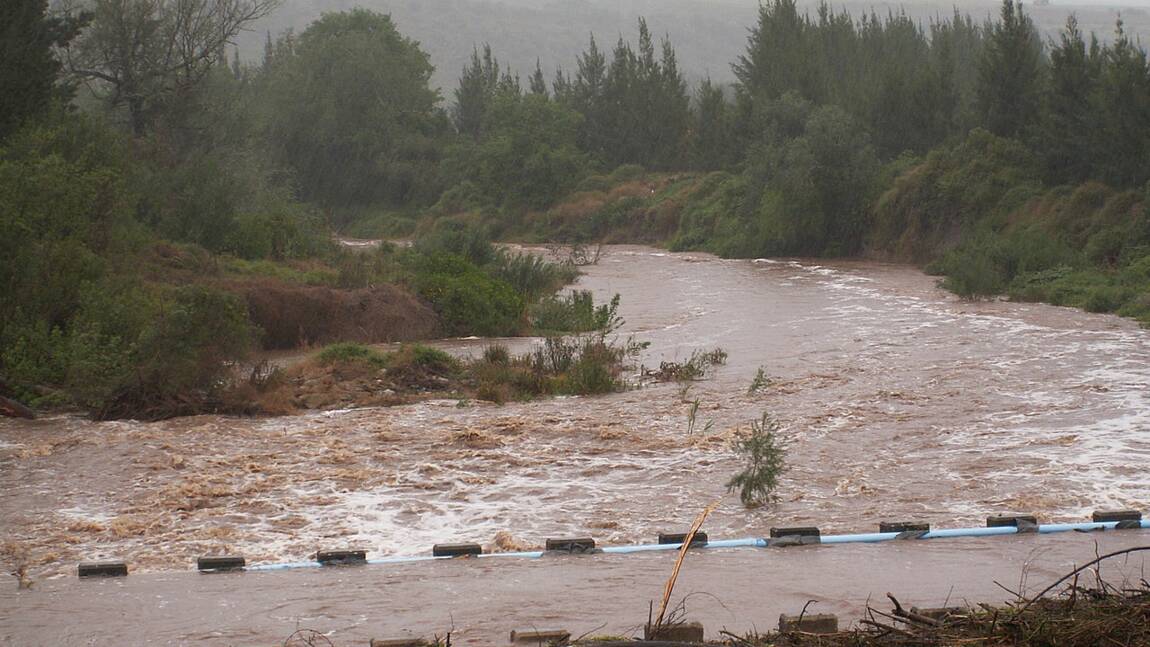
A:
(580, 365)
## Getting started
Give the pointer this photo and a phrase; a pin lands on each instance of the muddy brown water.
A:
(897, 400)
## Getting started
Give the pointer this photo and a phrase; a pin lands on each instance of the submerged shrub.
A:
(576, 312)
(764, 454)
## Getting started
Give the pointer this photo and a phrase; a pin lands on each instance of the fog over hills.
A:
(708, 35)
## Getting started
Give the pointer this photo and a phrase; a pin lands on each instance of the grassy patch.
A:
(348, 352)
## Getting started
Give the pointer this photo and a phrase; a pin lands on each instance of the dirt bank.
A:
(294, 316)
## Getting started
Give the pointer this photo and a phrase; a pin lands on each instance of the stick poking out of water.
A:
(667, 590)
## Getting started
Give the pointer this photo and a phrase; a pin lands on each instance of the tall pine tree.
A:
(1010, 73)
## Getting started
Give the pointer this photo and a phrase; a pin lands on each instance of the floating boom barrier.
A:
(779, 538)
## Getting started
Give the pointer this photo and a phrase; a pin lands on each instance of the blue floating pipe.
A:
(749, 542)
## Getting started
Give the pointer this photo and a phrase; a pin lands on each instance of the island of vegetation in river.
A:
(167, 211)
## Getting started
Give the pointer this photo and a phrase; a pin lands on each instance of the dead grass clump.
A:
(505, 542)
(86, 525)
(476, 439)
(1082, 616)
(129, 526)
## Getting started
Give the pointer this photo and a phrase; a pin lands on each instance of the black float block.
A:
(112, 568)
(1102, 516)
(816, 623)
(534, 637)
(700, 538)
(1016, 520)
(341, 557)
(684, 632)
(456, 550)
(221, 563)
(903, 526)
(574, 545)
(799, 531)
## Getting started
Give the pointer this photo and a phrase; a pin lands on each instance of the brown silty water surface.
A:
(898, 402)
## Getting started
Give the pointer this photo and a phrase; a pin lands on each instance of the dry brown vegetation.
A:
(295, 316)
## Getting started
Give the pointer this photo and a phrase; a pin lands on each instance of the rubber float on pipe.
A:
(110, 568)
(575, 546)
(797, 536)
(1016, 520)
(341, 557)
(1126, 519)
(456, 550)
(903, 526)
(677, 538)
(220, 563)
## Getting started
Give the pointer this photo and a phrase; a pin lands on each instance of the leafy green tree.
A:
(528, 156)
(1010, 73)
(28, 70)
(815, 188)
(349, 109)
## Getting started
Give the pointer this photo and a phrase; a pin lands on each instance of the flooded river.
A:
(897, 401)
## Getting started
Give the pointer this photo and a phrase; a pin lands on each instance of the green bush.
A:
(469, 302)
(424, 357)
(972, 273)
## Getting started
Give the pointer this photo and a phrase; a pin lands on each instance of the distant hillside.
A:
(707, 35)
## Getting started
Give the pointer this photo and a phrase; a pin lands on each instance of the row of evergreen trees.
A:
(1084, 107)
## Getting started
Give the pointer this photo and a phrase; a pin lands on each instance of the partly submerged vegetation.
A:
(353, 375)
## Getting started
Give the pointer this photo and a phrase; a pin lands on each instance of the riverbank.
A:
(181, 332)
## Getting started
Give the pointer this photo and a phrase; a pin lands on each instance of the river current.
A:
(896, 400)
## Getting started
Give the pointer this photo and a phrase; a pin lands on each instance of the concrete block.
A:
(541, 638)
(221, 563)
(1102, 516)
(400, 642)
(1016, 520)
(700, 538)
(112, 568)
(903, 526)
(798, 531)
(686, 632)
(810, 623)
(571, 545)
(341, 557)
(940, 613)
(456, 550)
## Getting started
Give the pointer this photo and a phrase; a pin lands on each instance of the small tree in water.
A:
(764, 453)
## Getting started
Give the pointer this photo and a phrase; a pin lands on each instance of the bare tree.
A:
(140, 54)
